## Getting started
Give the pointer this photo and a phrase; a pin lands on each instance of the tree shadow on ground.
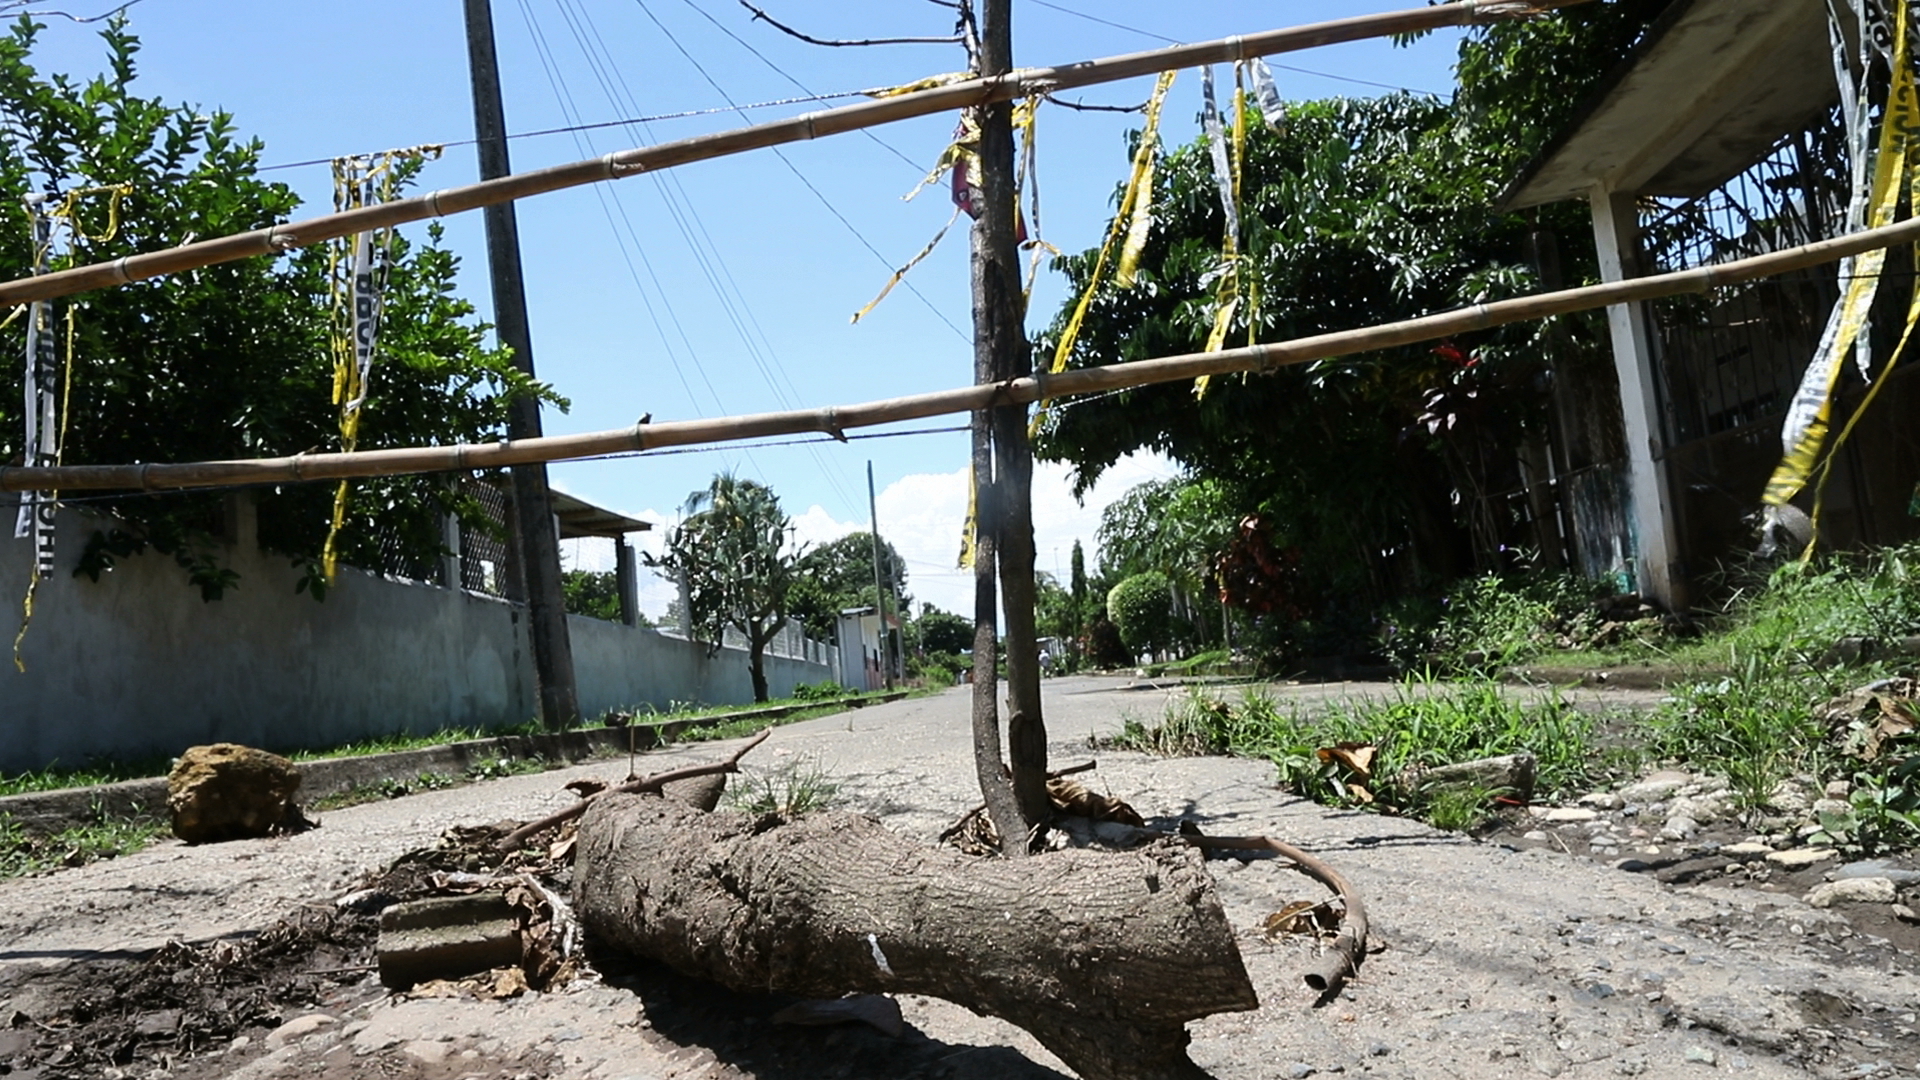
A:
(738, 1030)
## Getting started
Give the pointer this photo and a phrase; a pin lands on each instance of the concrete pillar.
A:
(240, 520)
(451, 574)
(1656, 569)
(626, 579)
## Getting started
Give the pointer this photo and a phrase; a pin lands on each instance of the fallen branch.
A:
(654, 783)
(1351, 944)
(1103, 956)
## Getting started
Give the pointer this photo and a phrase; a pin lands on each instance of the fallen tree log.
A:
(1103, 956)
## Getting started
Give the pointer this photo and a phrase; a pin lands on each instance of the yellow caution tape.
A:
(970, 531)
(1809, 415)
(1227, 298)
(1141, 156)
(901, 273)
(1826, 464)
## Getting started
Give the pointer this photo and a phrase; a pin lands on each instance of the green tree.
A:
(1354, 212)
(1142, 608)
(839, 575)
(733, 549)
(593, 593)
(942, 631)
(229, 361)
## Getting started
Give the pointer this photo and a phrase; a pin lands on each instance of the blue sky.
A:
(726, 287)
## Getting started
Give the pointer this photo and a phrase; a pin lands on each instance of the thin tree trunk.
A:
(1000, 332)
(757, 666)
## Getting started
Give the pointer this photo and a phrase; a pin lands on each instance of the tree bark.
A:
(1103, 956)
(757, 667)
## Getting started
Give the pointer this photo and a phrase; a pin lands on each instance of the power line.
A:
(1176, 41)
(569, 108)
(803, 99)
(857, 234)
(726, 288)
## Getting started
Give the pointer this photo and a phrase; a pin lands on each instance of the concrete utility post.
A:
(879, 588)
(1656, 540)
(539, 546)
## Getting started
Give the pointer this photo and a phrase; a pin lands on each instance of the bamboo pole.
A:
(277, 239)
(837, 419)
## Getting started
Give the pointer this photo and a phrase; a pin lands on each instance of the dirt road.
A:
(1496, 963)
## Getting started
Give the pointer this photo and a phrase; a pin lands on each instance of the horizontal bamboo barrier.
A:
(835, 420)
(276, 239)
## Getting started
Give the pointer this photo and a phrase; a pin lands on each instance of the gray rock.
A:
(1300, 1070)
(1838, 789)
(1602, 800)
(1655, 787)
(1872, 890)
(1795, 858)
(1679, 827)
(1835, 807)
(1700, 1055)
(1881, 868)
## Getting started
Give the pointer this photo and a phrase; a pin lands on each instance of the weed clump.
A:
(1374, 754)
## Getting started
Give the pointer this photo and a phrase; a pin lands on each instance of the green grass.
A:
(1426, 724)
(797, 787)
(816, 700)
(105, 837)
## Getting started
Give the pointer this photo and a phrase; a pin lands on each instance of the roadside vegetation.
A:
(1803, 675)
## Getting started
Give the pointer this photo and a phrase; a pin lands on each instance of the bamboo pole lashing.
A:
(1021, 82)
(834, 420)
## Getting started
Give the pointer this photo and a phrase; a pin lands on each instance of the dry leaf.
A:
(1074, 800)
(1315, 917)
(561, 850)
(1356, 757)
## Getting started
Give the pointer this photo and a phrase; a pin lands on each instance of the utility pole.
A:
(532, 505)
(879, 590)
(1003, 470)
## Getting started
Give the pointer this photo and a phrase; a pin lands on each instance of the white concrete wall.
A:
(138, 665)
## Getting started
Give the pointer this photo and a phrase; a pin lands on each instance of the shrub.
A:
(1141, 607)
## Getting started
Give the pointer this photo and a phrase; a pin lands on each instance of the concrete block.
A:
(446, 937)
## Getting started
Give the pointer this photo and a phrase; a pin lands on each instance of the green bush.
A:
(1141, 607)
(825, 690)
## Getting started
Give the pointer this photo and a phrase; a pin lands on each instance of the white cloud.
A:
(921, 515)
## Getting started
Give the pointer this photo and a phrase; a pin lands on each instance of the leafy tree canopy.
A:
(1352, 213)
(732, 548)
(943, 631)
(839, 575)
(593, 593)
(229, 361)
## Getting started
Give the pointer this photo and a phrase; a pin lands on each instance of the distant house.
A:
(869, 648)
(1720, 137)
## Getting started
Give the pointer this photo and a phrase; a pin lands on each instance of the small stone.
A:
(1602, 800)
(1379, 1049)
(1905, 913)
(1679, 827)
(1871, 890)
(298, 1028)
(1747, 847)
(1700, 1055)
(1838, 789)
(1300, 1070)
(1796, 858)
(1655, 787)
(1567, 814)
(1831, 808)
(1539, 835)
